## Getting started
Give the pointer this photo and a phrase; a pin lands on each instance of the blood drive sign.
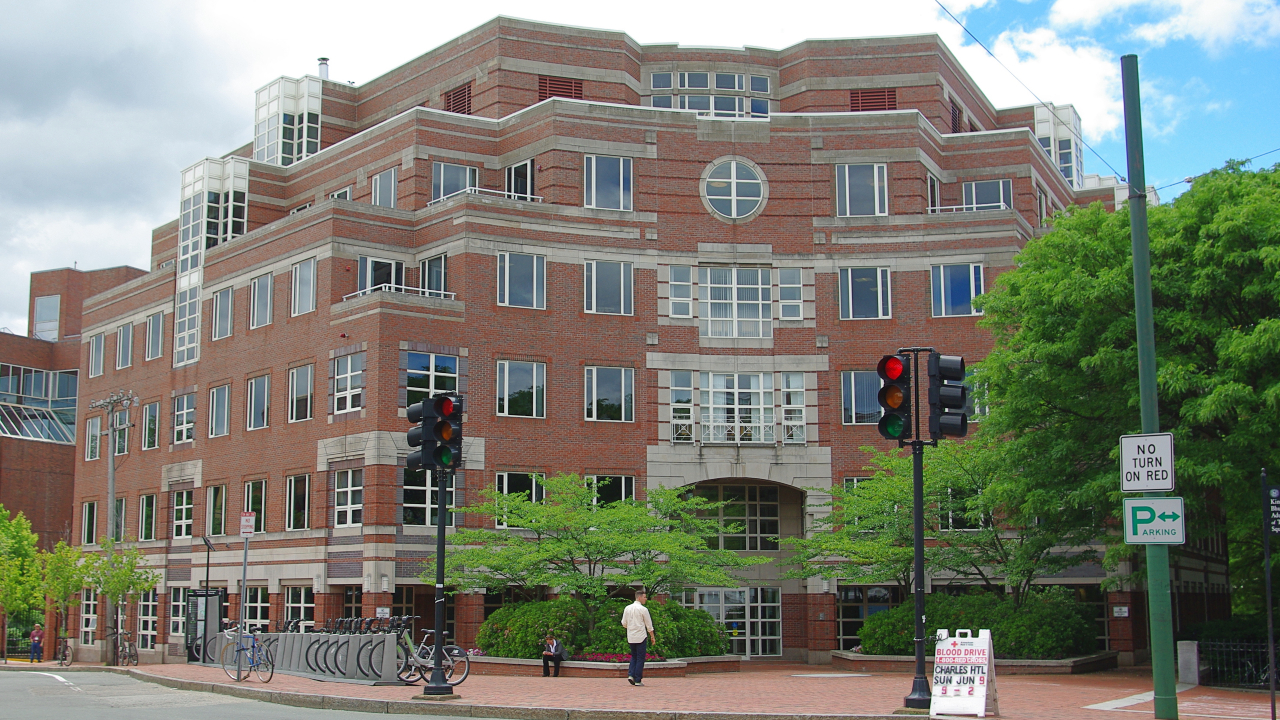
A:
(964, 675)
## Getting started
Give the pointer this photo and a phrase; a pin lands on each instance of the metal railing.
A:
(1234, 664)
(968, 208)
(404, 289)
(737, 432)
(523, 197)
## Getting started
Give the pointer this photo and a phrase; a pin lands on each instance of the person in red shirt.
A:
(37, 644)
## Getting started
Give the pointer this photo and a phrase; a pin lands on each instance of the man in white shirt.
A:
(637, 622)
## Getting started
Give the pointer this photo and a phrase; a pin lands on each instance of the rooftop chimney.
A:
(324, 68)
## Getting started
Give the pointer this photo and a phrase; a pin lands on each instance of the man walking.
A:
(637, 622)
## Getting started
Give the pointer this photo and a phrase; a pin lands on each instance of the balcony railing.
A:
(969, 208)
(404, 289)
(737, 433)
(486, 191)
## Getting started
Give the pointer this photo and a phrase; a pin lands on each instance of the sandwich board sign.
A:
(964, 675)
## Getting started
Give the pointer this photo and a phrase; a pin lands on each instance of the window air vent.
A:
(873, 99)
(458, 100)
(549, 87)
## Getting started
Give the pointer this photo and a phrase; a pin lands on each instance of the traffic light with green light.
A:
(947, 401)
(895, 397)
(447, 431)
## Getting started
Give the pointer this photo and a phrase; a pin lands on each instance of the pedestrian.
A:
(637, 622)
(553, 651)
(37, 644)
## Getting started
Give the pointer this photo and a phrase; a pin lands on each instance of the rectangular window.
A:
(422, 498)
(384, 188)
(297, 500)
(46, 316)
(793, 424)
(304, 287)
(737, 408)
(790, 294)
(219, 411)
(148, 619)
(660, 101)
(178, 612)
(608, 287)
(549, 87)
(300, 604)
(660, 81)
(610, 394)
(378, 274)
(862, 190)
(729, 81)
(186, 326)
(935, 194)
(433, 272)
(151, 426)
(856, 603)
(520, 180)
(682, 406)
(155, 335)
(300, 393)
(348, 504)
(448, 179)
(117, 532)
(259, 402)
(864, 293)
(93, 438)
(873, 99)
(735, 302)
(222, 317)
(429, 374)
(147, 517)
(522, 389)
(608, 182)
(216, 497)
(88, 615)
(681, 291)
(509, 483)
(89, 524)
(729, 106)
(260, 310)
(759, 107)
(348, 383)
(184, 418)
(124, 346)
(522, 280)
(184, 506)
(343, 194)
(255, 493)
(748, 517)
(759, 83)
(859, 391)
(257, 608)
(701, 103)
(120, 432)
(300, 208)
(988, 195)
(613, 488)
(96, 345)
(697, 80)
(954, 288)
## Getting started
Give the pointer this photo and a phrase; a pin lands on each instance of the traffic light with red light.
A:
(947, 402)
(895, 397)
(447, 431)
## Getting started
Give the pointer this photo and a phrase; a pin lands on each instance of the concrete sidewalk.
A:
(762, 691)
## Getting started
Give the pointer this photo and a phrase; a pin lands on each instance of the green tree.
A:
(1062, 378)
(62, 577)
(19, 573)
(119, 573)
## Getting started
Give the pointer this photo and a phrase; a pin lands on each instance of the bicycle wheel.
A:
(457, 664)
(406, 670)
(131, 654)
(265, 667)
(64, 654)
(230, 652)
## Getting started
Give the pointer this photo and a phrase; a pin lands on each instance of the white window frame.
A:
(304, 287)
(186, 325)
(940, 284)
(971, 195)
(255, 501)
(148, 619)
(348, 383)
(260, 294)
(155, 336)
(849, 398)
(151, 426)
(733, 81)
(667, 85)
(626, 183)
(97, 345)
(343, 194)
(591, 269)
(880, 193)
(184, 420)
(120, 432)
(220, 411)
(682, 405)
(46, 329)
(722, 408)
(364, 275)
(124, 346)
(184, 508)
(511, 172)
(539, 388)
(752, 83)
(296, 606)
(89, 523)
(117, 534)
(591, 395)
(715, 326)
(539, 281)
(292, 511)
(258, 402)
(223, 320)
(628, 485)
(501, 485)
(438, 170)
(790, 293)
(792, 400)
(685, 77)
(376, 183)
(257, 608)
(740, 205)
(884, 294)
(215, 511)
(348, 498)
(147, 517)
(299, 389)
(178, 612)
(424, 483)
(93, 438)
(425, 276)
(88, 615)
(421, 384)
(933, 194)
(680, 291)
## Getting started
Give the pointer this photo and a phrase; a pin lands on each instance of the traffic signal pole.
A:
(1159, 607)
(921, 692)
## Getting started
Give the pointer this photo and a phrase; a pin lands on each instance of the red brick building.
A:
(691, 257)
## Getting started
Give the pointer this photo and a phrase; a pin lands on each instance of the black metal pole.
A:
(438, 685)
(1266, 569)
(921, 692)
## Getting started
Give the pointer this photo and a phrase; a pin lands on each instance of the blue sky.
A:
(106, 103)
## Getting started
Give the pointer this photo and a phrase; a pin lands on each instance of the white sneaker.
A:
(631, 680)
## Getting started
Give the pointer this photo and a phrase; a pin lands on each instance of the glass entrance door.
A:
(752, 617)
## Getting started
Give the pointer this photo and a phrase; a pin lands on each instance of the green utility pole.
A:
(1158, 605)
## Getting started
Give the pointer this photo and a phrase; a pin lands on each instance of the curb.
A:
(418, 707)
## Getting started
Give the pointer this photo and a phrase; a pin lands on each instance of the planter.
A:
(858, 662)
(490, 665)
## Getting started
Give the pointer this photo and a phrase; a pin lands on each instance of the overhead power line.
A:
(1193, 177)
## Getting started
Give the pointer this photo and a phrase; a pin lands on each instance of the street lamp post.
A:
(123, 399)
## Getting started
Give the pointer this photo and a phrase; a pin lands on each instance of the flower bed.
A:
(615, 657)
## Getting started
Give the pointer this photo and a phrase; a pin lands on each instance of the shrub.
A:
(681, 631)
(517, 631)
(1049, 625)
(1235, 628)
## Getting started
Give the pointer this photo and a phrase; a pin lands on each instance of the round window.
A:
(734, 189)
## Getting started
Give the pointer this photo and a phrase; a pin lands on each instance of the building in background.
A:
(652, 265)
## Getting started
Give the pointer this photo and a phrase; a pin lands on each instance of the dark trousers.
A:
(636, 669)
(546, 665)
(37, 652)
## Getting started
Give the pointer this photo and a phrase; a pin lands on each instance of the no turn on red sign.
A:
(1146, 462)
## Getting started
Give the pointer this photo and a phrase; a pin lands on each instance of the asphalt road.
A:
(106, 696)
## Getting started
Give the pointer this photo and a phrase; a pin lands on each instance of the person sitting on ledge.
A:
(553, 651)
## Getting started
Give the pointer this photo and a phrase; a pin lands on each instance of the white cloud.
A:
(1214, 24)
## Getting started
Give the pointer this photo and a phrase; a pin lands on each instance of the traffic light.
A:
(420, 436)
(895, 397)
(947, 402)
(447, 431)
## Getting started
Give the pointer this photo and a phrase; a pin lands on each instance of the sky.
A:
(104, 104)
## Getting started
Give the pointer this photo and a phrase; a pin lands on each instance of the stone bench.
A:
(676, 667)
(858, 662)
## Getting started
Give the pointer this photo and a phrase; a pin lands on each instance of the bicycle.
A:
(126, 649)
(243, 653)
(418, 665)
(62, 652)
